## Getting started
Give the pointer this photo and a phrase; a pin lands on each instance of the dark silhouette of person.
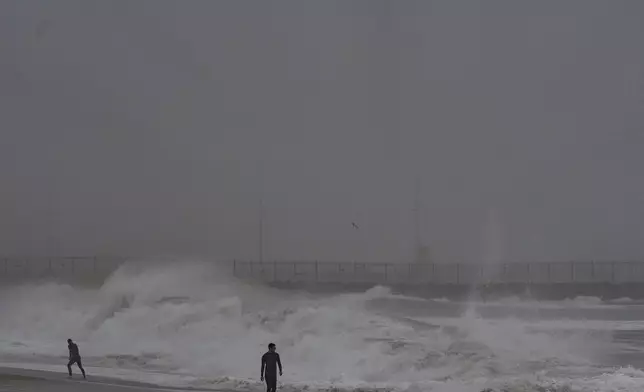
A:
(270, 362)
(74, 357)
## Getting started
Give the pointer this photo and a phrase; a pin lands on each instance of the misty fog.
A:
(156, 127)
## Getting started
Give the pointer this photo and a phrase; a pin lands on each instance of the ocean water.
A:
(189, 324)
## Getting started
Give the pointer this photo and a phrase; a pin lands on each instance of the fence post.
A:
(548, 267)
(458, 273)
(316, 271)
(592, 271)
(612, 272)
(433, 279)
(235, 267)
(73, 265)
(275, 271)
(572, 271)
(386, 268)
(529, 272)
(6, 266)
(94, 267)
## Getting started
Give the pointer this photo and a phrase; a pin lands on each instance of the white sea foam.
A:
(189, 324)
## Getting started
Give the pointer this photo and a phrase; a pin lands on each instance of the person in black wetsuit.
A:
(269, 368)
(74, 357)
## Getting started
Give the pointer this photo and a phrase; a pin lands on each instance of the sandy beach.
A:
(15, 379)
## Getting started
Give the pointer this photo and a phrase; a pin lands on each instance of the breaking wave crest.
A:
(190, 324)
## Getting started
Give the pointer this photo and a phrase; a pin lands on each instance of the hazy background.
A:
(146, 127)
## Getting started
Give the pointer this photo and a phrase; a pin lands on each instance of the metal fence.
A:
(354, 272)
(24, 267)
(457, 273)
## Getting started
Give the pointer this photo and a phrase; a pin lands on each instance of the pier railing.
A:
(453, 273)
(70, 267)
(356, 272)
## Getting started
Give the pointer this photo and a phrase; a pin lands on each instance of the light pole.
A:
(261, 229)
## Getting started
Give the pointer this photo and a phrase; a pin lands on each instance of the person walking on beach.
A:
(74, 357)
(270, 362)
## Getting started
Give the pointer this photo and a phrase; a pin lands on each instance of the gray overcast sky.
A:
(146, 127)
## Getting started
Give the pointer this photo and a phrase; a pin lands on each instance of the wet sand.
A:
(26, 380)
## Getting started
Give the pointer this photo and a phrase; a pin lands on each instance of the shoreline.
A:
(47, 380)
